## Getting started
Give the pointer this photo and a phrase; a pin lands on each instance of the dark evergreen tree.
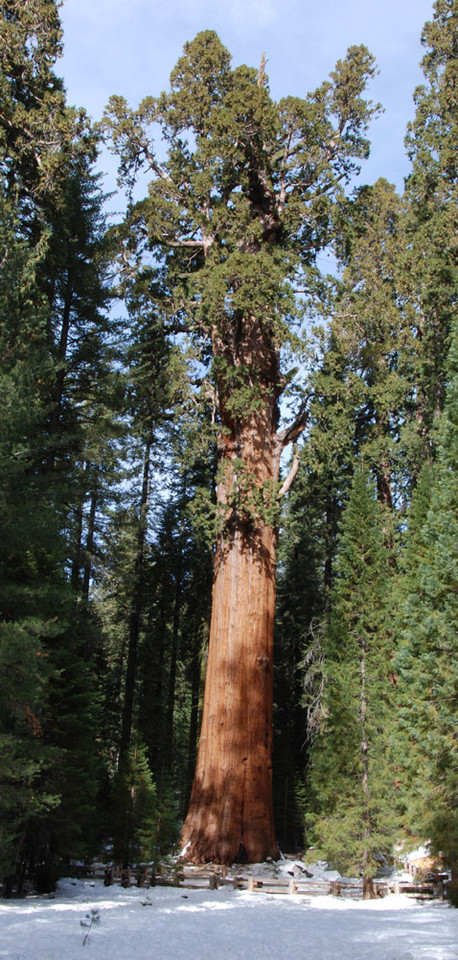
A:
(162, 698)
(363, 398)
(350, 821)
(49, 208)
(366, 387)
(426, 661)
(302, 596)
(74, 277)
(429, 266)
(36, 127)
(32, 588)
(425, 595)
(144, 820)
(175, 639)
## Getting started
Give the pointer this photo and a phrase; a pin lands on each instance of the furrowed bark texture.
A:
(230, 815)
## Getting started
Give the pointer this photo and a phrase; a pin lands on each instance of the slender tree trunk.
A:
(196, 689)
(61, 357)
(78, 554)
(157, 751)
(76, 562)
(152, 670)
(174, 646)
(369, 889)
(87, 568)
(383, 478)
(135, 610)
(369, 892)
(329, 534)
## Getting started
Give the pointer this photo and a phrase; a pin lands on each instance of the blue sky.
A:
(129, 47)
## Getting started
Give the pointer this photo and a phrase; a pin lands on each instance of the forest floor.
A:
(84, 918)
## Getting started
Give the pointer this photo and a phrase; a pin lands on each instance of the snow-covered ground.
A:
(173, 923)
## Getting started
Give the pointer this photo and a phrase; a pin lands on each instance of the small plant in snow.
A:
(90, 920)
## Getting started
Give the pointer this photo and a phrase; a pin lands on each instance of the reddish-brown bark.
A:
(230, 814)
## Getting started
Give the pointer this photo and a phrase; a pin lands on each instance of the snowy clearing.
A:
(176, 924)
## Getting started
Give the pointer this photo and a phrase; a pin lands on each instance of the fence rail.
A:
(211, 877)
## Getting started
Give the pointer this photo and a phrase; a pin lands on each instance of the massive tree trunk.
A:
(230, 814)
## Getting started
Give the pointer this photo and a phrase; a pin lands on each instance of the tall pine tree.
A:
(350, 820)
(427, 658)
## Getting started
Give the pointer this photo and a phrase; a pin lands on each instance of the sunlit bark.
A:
(230, 813)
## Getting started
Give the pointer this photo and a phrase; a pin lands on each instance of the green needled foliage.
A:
(24, 671)
(306, 546)
(32, 98)
(52, 293)
(30, 555)
(427, 658)
(140, 821)
(430, 261)
(35, 604)
(238, 210)
(38, 131)
(350, 821)
(426, 594)
(367, 382)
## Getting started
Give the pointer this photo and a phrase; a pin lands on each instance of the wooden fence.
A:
(212, 877)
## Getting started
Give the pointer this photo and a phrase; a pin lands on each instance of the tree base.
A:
(369, 889)
(227, 852)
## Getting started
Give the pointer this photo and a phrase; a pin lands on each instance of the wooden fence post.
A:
(438, 888)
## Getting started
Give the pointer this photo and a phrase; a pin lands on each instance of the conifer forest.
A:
(228, 488)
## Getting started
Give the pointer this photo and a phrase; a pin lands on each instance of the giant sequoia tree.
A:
(231, 227)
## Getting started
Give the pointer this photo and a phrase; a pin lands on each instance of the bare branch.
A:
(261, 81)
(197, 244)
(291, 475)
(294, 430)
(156, 168)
